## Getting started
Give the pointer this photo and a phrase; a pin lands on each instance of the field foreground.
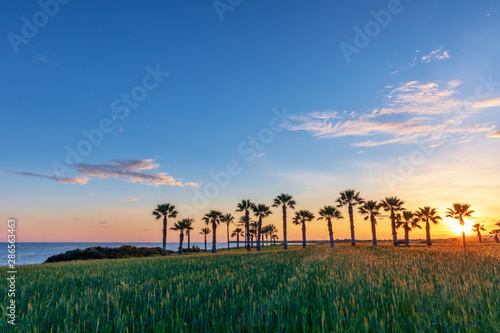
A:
(356, 289)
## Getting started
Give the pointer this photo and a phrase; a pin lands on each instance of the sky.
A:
(110, 108)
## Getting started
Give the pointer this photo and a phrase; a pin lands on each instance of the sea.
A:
(37, 253)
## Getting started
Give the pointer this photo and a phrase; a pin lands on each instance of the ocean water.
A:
(37, 253)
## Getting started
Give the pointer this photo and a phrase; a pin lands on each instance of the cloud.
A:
(438, 54)
(70, 180)
(418, 58)
(133, 171)
(130, 200)
(104, 224)
(429, 111)
(487, 103)
(495, 134)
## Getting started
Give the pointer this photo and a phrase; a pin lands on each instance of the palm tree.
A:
(329, 213)
(350, 198)
(189, 226)
(165, 211)
(458, 212)
(393, 204)
(272, 232)
(410, 222)
(237, 232)
(274, 237)
(260, 211)
(477, 227)
(228, 219)
(205, 231)
(371, 208)
(301, 217)
(285, 200)
(253, 226)
(428, 215)
(495, 233)
(246, 206)
(180, 226)
(269, 231)
(214, 218)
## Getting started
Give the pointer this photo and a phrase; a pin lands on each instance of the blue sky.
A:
(348, 124)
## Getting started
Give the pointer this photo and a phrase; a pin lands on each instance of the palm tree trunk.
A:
(463, 239)
(238, 240)
(428, 232)
(214, 238)
(407, 235)
(374, 230)
(181, 239)
(394, 231)
(189, 239)
(259, 233)
(330, 232)
(247, 229)
(205, 243)
(164, 235)
(351, 220)
(304, 234)
(285, 244)
(479, 236)
(228, 248)
(496, 238)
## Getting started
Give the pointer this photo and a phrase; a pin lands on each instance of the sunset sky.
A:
(110, 108)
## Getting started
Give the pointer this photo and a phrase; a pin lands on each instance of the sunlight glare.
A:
(456, 227)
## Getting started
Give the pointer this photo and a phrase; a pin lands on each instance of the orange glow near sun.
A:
(456, 227)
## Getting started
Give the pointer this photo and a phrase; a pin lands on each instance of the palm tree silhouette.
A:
(246, 206)
(458, 212)
(274, 237)
(253, 226)
(214, 218)
(477, 228)
(189, 226)
(371, 208)
(350, 198)
(237, 232)
(228, 219)
(260, 211)
(272, 231)
(180, 226)
(286, 201)
(428, 215)
(495, 233)
(329, 213)
(393, 204)
(165, 211)
(205, 231)
(301, 217)
(408, 221)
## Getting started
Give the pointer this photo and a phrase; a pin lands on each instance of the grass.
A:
(351, 289)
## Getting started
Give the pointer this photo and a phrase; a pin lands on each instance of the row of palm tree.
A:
(370, 209)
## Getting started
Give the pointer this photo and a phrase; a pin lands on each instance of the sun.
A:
(456, 227)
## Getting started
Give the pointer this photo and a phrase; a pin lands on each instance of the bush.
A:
(99, 252)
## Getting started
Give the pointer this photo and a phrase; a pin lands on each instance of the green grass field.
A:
(355, 289)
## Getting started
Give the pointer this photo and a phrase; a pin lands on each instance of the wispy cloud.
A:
(438, 54)
(133, 171)
(495, 134)
(130, 200)
(420, 58)
(104, 224)
(71, 180)
(428, 111)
